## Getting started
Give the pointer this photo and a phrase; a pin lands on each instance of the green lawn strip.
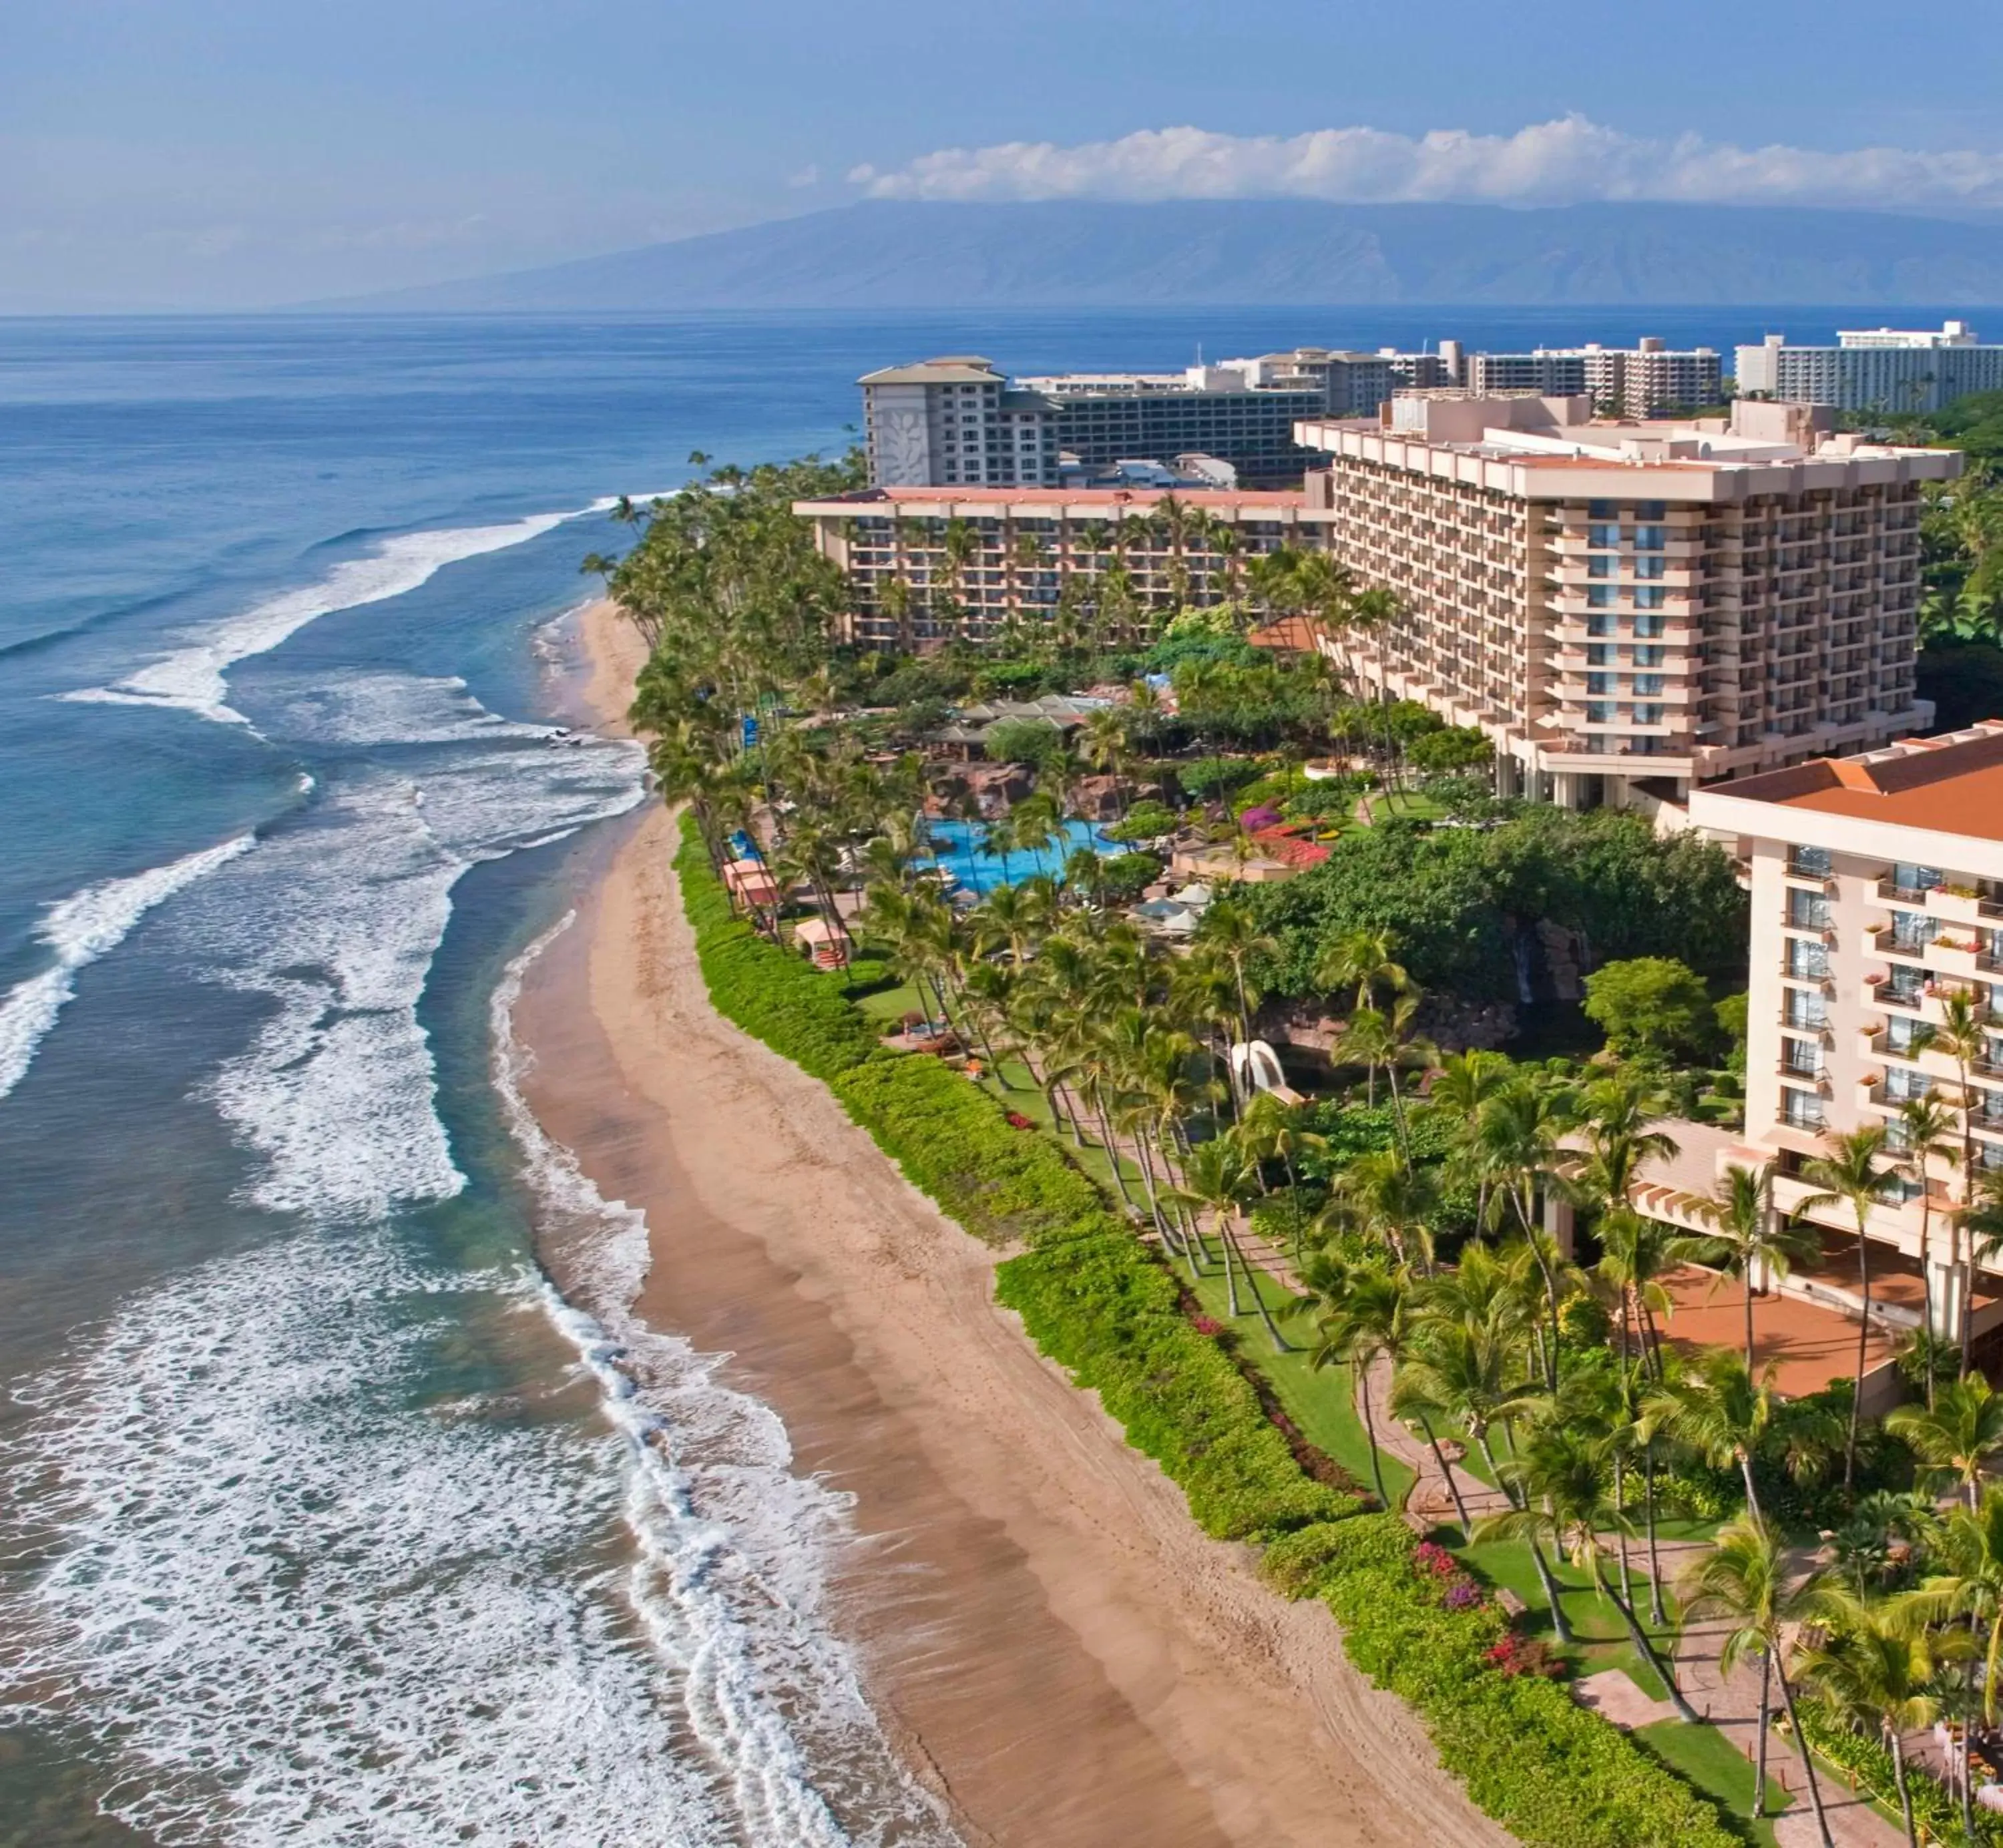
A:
(1024, 1096)
(1710, 1760)
(1320, 1401)
(1405, 804)
(1603, 1641)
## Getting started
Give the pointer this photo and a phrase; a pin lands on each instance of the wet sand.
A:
(1052, 1643)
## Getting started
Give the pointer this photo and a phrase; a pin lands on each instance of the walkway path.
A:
(1731, 1704)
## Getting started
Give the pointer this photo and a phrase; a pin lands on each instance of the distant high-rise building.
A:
(956, 420)
(1648, 380)
(1895, 370)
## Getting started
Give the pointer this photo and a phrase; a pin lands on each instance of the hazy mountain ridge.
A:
(886, 254)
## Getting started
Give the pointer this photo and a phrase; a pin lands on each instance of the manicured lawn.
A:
(1403, 802)
(1602, 1638)
(1711, 1762)
(1320, 1401)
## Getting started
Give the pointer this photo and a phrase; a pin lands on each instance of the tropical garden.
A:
(1310, 1308)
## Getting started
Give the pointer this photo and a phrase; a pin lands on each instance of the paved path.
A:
(1732, 1703)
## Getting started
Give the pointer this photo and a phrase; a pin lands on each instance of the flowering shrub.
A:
(1524, 1655)
(1206, 1324)
(1018, 1121)
(1463, 1597)
(1436, 1560)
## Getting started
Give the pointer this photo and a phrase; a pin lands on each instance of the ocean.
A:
(327, 1519)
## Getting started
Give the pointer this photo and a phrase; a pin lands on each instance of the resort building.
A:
(926, 564)
(1353, 384)
(1649, 379)
(1877, 889)
(1626, 610)
(956, 420)
(1893, 371)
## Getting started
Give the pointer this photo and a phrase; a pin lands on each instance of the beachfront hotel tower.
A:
(1877, 891)
(1894, 371)
(1628, 610)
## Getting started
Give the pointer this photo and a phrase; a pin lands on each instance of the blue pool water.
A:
(956, 846)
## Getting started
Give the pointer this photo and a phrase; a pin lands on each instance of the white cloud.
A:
(1559, 163)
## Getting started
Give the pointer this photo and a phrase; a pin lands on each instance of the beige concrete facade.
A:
(1017, 548)
(1626, 610)
(1877, 891)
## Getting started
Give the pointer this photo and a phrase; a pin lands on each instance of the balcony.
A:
(1885, 943)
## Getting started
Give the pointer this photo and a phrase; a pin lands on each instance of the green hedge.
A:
(1869, 1762)
(1101, 1304)
(1553, 1774)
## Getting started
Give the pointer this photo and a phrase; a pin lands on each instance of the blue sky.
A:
(220, 152)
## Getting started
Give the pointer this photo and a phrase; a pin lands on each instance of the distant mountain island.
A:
(1071, 254)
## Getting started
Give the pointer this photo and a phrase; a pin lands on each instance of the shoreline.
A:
(1048, 1640)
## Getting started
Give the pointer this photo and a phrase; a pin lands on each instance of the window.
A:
(1607, 538)
(1599, 653)
(1649, 596)
(1807, 910)
(1648, 715)
(1652, 510)
(1603, 510)
(1600, 712)
(1600, 683)
(1909, 877)
(1912, 931)
(1650, 567)
(1601, 596)
(1647, 683)
(1648, 539)
(1807, 1009)
(1648, 625)
(1801, 1058)
(1809, 862)
(1902, 1035)
(1603, 564)
(1903, 987)
(1602, 625)
(1901, 1084)
(1801, 1109)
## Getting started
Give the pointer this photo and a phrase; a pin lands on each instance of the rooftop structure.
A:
(1892, 371)
(955, 419)
(1877, 885)
(1627, 609)
(927, 563)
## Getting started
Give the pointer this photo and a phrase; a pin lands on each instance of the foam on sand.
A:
(80, 929)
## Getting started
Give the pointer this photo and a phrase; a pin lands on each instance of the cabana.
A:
(750, 882)
(827, 944)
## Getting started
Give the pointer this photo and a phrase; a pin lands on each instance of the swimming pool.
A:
(956, 846)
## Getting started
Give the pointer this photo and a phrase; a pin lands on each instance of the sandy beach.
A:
(1052, 1644)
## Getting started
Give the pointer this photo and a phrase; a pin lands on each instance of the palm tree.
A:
(1751, 1240)
(1743, 1579)
(1871, 1674)
(1923, 1127)
(1962, 1033)
(1561, 1479)
(1363, 960)
(1464, 1082)
(1853, 1176)
(1385, 1199)
(1957, 1434)
(1636, 1252)
(1214, 1176)
(1723, 1411)
(1970, 1585)
(1462, 1373)
(1369, 1312)
(1230, 927)
(1516, 1144)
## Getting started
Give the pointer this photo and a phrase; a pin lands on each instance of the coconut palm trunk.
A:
(1808, 1755)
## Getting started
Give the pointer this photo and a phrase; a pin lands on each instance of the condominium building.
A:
(1877, 889)
(1354, 384)
(1648, 380)
(927, 564)
(1893, 371)
(1628, 610)
(957, 419)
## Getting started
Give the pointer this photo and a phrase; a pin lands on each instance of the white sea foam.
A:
(190, 679)
(335, 925)
(80, 929)
(316, 1566)
(731, 1543)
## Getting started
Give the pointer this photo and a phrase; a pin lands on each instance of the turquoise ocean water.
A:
(326, 1521)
